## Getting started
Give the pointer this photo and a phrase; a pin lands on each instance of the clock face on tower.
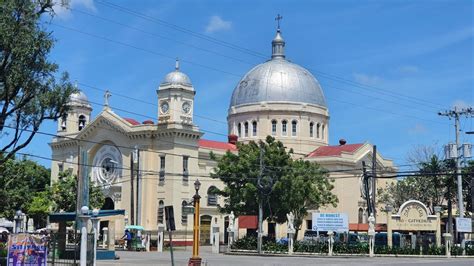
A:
(186, 107)
(164, 107)
(107, 165)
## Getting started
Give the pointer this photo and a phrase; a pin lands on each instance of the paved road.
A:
(209, 259)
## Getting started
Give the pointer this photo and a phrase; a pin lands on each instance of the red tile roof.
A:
(132, 121)
(217, 145)
(324, 151)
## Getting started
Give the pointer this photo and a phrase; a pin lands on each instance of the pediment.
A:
(105, 120)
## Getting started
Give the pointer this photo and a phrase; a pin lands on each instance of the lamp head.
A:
(95, 212)
(84, 210)
(197, 185)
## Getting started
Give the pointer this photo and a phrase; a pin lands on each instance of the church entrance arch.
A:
(205, 232)
(414, 216)
(108, 205)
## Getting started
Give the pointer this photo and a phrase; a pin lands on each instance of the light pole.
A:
(195, 259)
(84, 219)
(95, 223)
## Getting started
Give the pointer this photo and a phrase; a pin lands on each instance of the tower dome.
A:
(278, 80)
(79, 97)
(176, 77)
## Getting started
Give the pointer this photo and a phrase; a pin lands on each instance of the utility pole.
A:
(457, 153)
(374, 182)
(137, 162)
(366, 188)
(456, 114)
(260, 203)
(132, 172)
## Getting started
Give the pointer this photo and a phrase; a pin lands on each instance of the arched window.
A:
(318, 126)
(361, 216)
(184, 214)
(63, 122)
(283, 127)
(294, 124)
(239, 130)
(82, 122)
(161, 211)
(246, 129)
(322, 132)
(311, 129)
(274, 127)
(254, 128)
(211, 196)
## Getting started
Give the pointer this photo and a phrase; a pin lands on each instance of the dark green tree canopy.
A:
(288, 185)
(30, 93)
(20, 180)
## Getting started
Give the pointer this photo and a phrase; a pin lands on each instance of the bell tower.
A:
(176, 98)
(78, 116)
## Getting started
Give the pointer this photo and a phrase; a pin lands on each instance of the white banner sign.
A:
(338, 222)
(464, 225)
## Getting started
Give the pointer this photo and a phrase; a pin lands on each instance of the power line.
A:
(391, 94)
(263, 56)
(219, 70)
(151, 151)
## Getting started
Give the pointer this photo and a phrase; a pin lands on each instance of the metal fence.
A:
(64, 249)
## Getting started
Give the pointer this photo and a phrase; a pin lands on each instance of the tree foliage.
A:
(287, 185)
(435, 184)
(29, 91)
(20, 180)
(64, 192)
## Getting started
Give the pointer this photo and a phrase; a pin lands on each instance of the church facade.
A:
(142, 167)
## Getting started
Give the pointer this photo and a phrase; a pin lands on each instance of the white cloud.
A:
(460, 104)
(367, 79)
(61, 7)
(418, 129)
(216, 23)
(408, 69)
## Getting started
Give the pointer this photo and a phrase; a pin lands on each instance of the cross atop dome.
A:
(278, 44)
(278, 18)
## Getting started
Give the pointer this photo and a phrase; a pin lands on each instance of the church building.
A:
(144, 166)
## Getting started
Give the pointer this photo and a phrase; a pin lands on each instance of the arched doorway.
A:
(205, 230)
(108, 205)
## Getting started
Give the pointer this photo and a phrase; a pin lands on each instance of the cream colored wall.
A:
(265, 113)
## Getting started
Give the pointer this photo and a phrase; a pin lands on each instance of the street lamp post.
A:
(195, 259)
(95, 223)
(19, 216)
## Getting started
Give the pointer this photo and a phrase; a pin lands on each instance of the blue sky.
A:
(386, 67)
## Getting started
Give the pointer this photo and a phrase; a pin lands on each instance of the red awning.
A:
(365, 227)
(248, 222)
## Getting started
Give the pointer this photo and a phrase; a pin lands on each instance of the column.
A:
(111, 236)
(215, 238)
(161, 230)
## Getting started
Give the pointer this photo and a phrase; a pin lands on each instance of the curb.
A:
(320, 255)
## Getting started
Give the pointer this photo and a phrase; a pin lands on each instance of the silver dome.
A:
(278, 80)
(176, 78)
(79, 97)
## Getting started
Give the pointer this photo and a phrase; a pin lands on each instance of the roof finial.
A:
(75, 84)
(176, 67)
(278, 18)
(278, 44)
(106, 98)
